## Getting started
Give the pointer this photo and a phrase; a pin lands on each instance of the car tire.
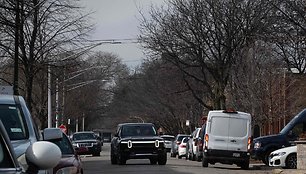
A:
(179, 157)
(204, 162)
(113, 158)
(265, 159)
(245, 165)
(162, 160)
(96, 154)
(291, 161)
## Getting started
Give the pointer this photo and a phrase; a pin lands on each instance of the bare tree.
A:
(203, 38)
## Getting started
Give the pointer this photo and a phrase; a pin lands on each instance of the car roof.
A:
(122, 124)
(7, 99)
(82, 132)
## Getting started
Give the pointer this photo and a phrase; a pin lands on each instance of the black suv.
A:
(137, 141)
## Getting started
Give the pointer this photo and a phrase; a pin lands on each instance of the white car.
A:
(284, 157)
(182, 148)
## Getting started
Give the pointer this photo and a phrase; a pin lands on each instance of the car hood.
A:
(86, 141)
(142, 138)
(288, 150)
(20, 146)
(276, 138)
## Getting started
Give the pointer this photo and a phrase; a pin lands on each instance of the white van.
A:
(227, 138)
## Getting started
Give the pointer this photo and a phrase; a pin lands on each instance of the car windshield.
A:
(13, 122)
(83, 136)
(138, 130)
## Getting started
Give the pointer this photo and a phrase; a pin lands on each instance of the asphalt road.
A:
(102, 164)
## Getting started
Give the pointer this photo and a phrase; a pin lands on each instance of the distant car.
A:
(284, 157)
(192, 145)
(86, 143)
(137, 141)
(182, 148)
(24, 135)
(70, 161)
(177, 141)
(169, 139)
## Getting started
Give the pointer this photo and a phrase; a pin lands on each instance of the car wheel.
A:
(153, 161)
(162, 160)
(179, 157)
(245, 165)
(204, 162)
(291, 161)
(265, 160)
(113, 158)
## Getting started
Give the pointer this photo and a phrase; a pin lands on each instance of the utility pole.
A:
(16, 56)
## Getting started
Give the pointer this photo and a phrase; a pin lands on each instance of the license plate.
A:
(236, 154)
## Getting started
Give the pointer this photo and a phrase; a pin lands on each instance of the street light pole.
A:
(49, 99)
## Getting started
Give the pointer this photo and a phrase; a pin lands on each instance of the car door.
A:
(238, 133)
(218, 132)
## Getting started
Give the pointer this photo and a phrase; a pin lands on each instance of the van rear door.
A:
(239, 132)
(229, 131)
(218, 132)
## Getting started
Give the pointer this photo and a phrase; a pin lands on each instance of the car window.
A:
(65, 145)
(219, 126)
(138, 130)
(13, 122)
(5, 158)
(83, 136)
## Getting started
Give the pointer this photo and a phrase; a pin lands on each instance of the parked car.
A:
(24, 135)
(177, 141)
(137, 141)
(284, 157)
(9, 163)
(70, 161)
(169, 139)
(227, 138)
(192, 145)
(86, 143)
(263, 146)
(182, 148)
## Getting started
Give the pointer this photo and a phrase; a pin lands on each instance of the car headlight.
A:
(67, 170)
(257, 145)
(75, 144)
(280, 154)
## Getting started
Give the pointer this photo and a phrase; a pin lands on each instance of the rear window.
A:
(13, 122)
(84, 136)
(224, 126)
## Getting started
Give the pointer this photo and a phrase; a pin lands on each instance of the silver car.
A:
(169, 139)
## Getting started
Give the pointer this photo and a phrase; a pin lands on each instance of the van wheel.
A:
(204, 162)
(245, 165)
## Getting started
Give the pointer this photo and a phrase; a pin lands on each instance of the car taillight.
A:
(182, 145)
(249, 143)
(206, 140)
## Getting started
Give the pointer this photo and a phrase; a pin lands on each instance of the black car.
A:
(86, 143)
(137, 141)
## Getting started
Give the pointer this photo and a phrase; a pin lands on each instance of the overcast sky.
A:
(117, 19)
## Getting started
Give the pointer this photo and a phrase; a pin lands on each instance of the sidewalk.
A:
(288, 171)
